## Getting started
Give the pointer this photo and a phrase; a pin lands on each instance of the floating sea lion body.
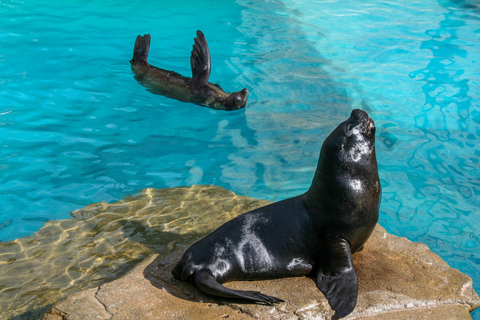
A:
(314, 234)
(173, 85)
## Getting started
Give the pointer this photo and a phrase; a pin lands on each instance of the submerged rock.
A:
(102, 242)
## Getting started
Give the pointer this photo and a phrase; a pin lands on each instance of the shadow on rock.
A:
(170, 248)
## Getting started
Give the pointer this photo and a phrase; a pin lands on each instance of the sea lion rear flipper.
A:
(140, 50)
(337, 278)
(206, 282)
(200, 61)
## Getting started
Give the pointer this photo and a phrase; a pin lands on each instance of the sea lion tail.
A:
(206, 282)
(140, 51)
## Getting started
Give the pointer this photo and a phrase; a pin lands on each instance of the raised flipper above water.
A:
(200, 61)
(140, 50)
(337, 278)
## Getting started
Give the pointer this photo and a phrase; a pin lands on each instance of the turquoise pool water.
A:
(76, 128)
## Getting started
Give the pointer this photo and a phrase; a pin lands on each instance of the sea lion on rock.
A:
(173, 85)
(313, 234)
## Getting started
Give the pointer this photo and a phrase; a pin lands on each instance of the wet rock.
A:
(103, 241)
(398, 279)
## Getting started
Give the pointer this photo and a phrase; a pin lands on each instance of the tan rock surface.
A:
(398, 279)
(103, 241)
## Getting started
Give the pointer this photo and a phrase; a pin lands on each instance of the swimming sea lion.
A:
(313, 234)
(173, 85)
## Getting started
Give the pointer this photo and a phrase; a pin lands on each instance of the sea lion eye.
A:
(238, 99)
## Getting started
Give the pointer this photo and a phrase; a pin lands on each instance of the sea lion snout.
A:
(236, 100)
(370, 127)
(363, 120)
(244, 93)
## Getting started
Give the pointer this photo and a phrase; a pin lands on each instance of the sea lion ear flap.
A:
(200, 61)
(337, 278)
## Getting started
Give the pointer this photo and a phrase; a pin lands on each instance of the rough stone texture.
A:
(398, 279)
(103, 241)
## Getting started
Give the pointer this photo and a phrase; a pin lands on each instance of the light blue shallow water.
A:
(76, 128)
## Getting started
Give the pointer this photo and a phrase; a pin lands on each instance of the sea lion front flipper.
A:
(206, 282)
(337, 278)
(200, 61)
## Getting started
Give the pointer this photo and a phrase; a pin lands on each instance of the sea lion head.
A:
(353, 141)
(236, 100)
(347, 169)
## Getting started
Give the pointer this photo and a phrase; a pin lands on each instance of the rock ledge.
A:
(398, 279)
